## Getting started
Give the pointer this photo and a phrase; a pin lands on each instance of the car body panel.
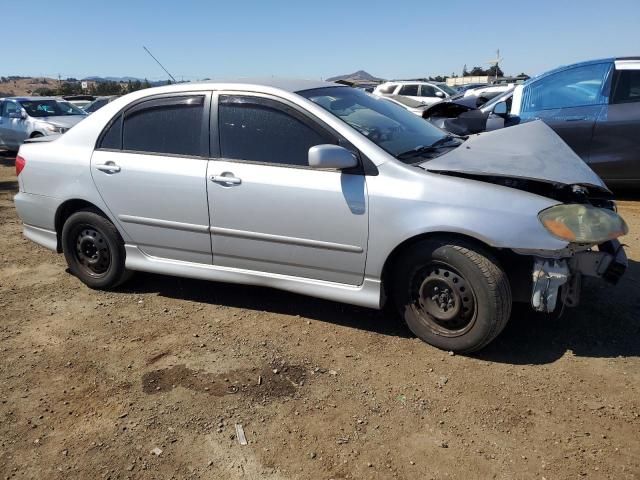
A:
(322, 233)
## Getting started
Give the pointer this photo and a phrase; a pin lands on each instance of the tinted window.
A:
(427, 91)
(263, 130)
(627, 87)
(112, 138)
(410, 90)
(98, 104)
(169, 125)
(575, 87)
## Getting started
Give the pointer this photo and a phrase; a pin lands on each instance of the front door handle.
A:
(108, 167)
(225, 178)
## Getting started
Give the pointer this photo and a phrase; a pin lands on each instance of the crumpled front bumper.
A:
(559, 280)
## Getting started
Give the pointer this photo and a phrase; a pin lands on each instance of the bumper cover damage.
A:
(560, 279)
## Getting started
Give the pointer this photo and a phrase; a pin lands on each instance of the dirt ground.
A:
(149, 382)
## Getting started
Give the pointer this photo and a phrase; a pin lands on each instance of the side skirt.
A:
(365, 295)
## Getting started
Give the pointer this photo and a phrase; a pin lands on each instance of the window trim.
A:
(292, 109)
(160, 99)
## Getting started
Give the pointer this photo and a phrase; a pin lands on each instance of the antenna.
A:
(495, 62)
(158, 62)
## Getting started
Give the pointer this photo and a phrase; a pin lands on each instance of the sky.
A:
(198, 39)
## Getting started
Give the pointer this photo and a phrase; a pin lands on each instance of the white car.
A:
(489, 92)
(426, 93)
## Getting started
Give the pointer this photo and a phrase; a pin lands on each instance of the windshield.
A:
(390, 126)
(447, 89)
(50, 108)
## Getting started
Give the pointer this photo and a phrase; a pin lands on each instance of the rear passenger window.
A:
(627, 87)
(172, 125)
(112, 138)
(410, 90)
(263, 130)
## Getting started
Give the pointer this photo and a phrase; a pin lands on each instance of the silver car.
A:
(327, 191)
(30, 117)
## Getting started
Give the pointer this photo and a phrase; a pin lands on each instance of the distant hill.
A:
(359, 76)
(122, 80)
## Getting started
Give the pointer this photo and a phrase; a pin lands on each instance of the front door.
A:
(569, 101)
(615, 154)
(9, 121)
(272, 213)
(150, 169)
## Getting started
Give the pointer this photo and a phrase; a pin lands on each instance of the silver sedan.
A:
(327, 191)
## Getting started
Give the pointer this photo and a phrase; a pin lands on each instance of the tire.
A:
(94, 250)
(451, 294)
(36, 135)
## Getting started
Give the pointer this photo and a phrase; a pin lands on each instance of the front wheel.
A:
(451, 294)
(94, 250)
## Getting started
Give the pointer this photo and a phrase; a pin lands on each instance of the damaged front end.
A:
(532, 158)
(558, 281)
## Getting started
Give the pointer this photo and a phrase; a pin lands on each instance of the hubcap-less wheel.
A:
(92, 251)
(443, 300)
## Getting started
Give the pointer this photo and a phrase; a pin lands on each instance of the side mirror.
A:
(331, 157)
(23, 114)
(440, 94)
(501, 109)
(17, 115)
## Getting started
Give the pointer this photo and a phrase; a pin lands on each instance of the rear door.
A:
(569, 101)
(150, 169)
(615, 154)
(411, 90)
(271, 212)
(8, 125)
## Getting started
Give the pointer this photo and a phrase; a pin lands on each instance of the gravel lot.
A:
(150, 381)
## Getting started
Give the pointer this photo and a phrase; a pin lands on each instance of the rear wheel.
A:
(94, 250)
(451, 294)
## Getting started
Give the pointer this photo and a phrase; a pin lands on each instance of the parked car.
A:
(98, 103)
(327, 191)
(594, 106)
(427, 93)
(29, 117)
(415, 107)
(469, 86)
(486, 93)
(79, 101)
(464, 115)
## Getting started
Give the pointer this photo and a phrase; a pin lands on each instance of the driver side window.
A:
(9, 108)
(576, 87)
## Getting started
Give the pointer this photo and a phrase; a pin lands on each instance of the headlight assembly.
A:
(54, 128)
(583, 223)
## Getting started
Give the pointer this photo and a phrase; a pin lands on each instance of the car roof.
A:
(31, 99)
(286, 84)
(579, 64)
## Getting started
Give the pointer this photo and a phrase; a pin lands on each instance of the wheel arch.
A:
(518, 264)
(68, 208)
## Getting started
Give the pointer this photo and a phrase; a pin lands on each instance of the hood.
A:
(66, 121)
(531, 151)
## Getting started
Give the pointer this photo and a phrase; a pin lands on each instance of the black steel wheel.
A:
(443, 299)
(94, 250)
(452, 294)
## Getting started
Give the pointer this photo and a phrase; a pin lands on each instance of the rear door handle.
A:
(225, 178)
(575, 118)
(108, 167)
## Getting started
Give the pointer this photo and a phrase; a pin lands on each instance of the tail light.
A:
(20, 164)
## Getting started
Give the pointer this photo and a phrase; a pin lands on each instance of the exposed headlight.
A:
(583, 223)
